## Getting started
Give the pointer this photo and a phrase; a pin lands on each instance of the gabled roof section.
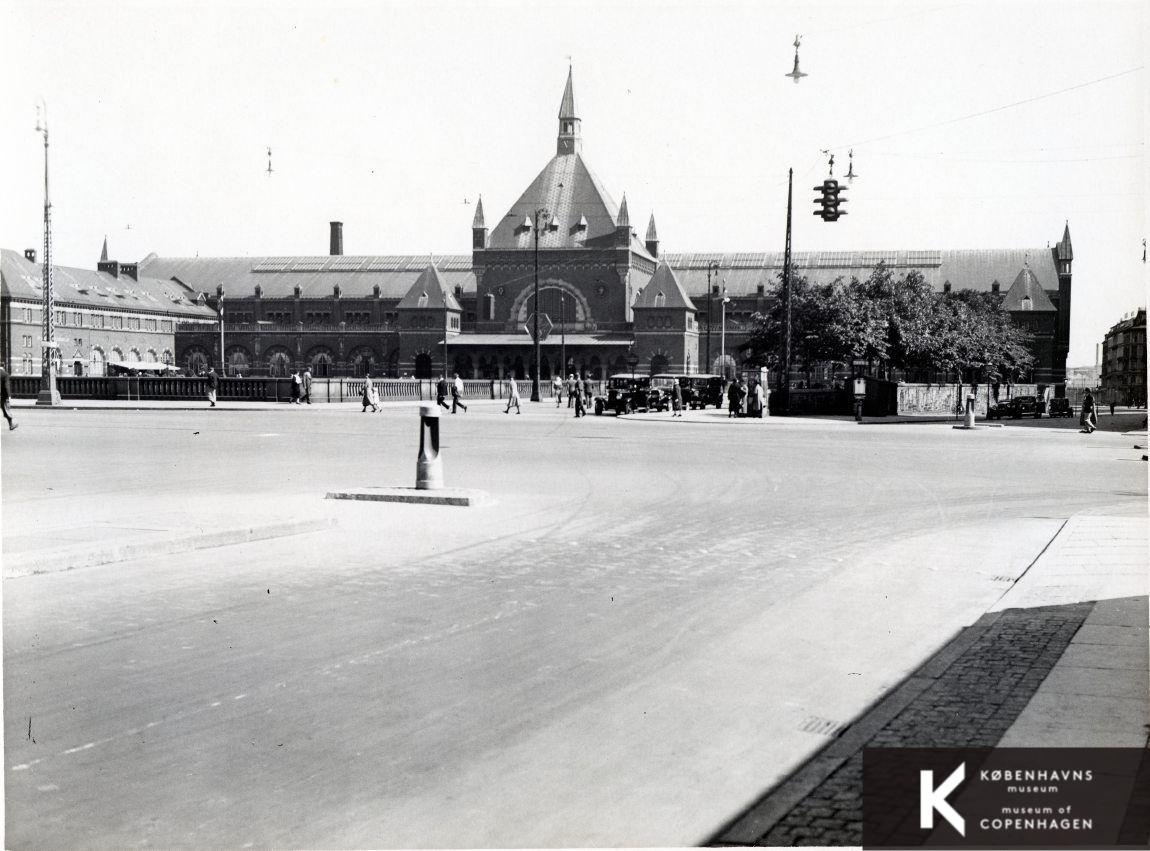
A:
(664, 290)
(569, 190)
(477, 222)
(1065, 251)
(21, 279)
(1027, 286)
(429, 292)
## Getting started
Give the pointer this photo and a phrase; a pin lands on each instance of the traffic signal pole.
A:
(785, 379)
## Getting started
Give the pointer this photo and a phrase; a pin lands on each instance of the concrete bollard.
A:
(969, 423)
(429, 466)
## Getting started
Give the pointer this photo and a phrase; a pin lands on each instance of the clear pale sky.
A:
(395, 117)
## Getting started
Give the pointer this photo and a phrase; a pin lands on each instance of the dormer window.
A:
(1027, 303)
(660, 300)
(995, 287)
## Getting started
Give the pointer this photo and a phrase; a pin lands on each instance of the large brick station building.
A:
(613, 302)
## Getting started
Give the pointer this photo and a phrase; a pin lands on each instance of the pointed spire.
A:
(1065, 251)
(568, 141)
(477, 222)
(104, 251)
(624, 217)
(652, 239)
(567, 106)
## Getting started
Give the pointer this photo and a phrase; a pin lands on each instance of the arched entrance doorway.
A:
(423, 365)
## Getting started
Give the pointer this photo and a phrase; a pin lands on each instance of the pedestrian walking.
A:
(570, 390)
(307, 385)
(441, 394)
(457, 394)
(580, 408)
(760, 400)
(213, 385)
(296, 386)
(676, 400)
(512, 396)
(587, 392)
(557, 390)
(5, 397)
(370, 397)
(1089, 417)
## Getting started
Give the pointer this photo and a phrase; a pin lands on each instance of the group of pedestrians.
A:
(301, 387)
(575, 390)
(745, 400)
(455, 388)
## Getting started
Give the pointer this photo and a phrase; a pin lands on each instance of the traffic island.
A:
(441, 496)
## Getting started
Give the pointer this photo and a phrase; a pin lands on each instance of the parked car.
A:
(1060, 407)
(1017, 408)
(699, 389)
(627, 393)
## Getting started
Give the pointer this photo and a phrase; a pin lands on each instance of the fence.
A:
(254, 389)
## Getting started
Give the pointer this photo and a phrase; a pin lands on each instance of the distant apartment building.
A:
(1124, 360)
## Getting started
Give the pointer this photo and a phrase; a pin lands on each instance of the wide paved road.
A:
(649, 623)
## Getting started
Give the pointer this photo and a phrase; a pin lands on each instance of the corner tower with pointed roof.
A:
(591, 263)
(427, 314)
(1063, 258)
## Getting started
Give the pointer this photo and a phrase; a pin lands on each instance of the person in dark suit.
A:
(441, 394)
(5, 397)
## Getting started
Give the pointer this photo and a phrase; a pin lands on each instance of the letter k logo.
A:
(931, 799)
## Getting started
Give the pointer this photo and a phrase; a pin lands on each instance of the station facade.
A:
(612, 302)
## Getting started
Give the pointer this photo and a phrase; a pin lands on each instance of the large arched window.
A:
(96, 361)
(133, 355)
(279, 361)
(658, 364)
(363, 361)
(724, 365)
(239, 361)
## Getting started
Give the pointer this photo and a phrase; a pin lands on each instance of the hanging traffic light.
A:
(830, 200)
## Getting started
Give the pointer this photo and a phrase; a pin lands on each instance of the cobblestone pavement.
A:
(968, 695)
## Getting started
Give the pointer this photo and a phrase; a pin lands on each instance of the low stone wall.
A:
(947, 399)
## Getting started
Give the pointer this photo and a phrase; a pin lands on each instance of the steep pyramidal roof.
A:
(428, 292)
(664, 290)
(477, 222)
(583, 213)
(104, 251)
(1027, 286)
(652, 234)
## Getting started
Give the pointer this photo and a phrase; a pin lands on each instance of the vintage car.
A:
(627, 393)
(699, 390)
(1061, 407)
(1017, 408)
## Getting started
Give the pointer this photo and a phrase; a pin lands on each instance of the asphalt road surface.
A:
(648, 624)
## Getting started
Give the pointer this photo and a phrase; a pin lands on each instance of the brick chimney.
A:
(112, 267)
(336, 239)
(30, 255)
(132, 270)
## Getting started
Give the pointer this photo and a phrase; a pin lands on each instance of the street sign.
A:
(49, 344)
(545, 326)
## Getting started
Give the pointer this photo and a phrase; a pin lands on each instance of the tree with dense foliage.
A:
(893, 322)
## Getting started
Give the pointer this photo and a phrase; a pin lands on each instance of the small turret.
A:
(623, 224)
(652, 238)
(478, 227)
(568, 141)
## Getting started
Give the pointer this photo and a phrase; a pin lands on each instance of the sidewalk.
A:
(1060, 661)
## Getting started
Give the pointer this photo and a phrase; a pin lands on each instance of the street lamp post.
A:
(220, 309)
(723, 335)
(49, 394)
(562, 332)
(713, 266)
(785, 379)
(541, 215)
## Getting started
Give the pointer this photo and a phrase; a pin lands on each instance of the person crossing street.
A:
(457, 394)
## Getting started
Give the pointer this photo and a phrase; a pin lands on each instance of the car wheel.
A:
(598, 407)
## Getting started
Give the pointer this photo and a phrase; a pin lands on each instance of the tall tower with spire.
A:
(568, 141)
(1063, 258)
